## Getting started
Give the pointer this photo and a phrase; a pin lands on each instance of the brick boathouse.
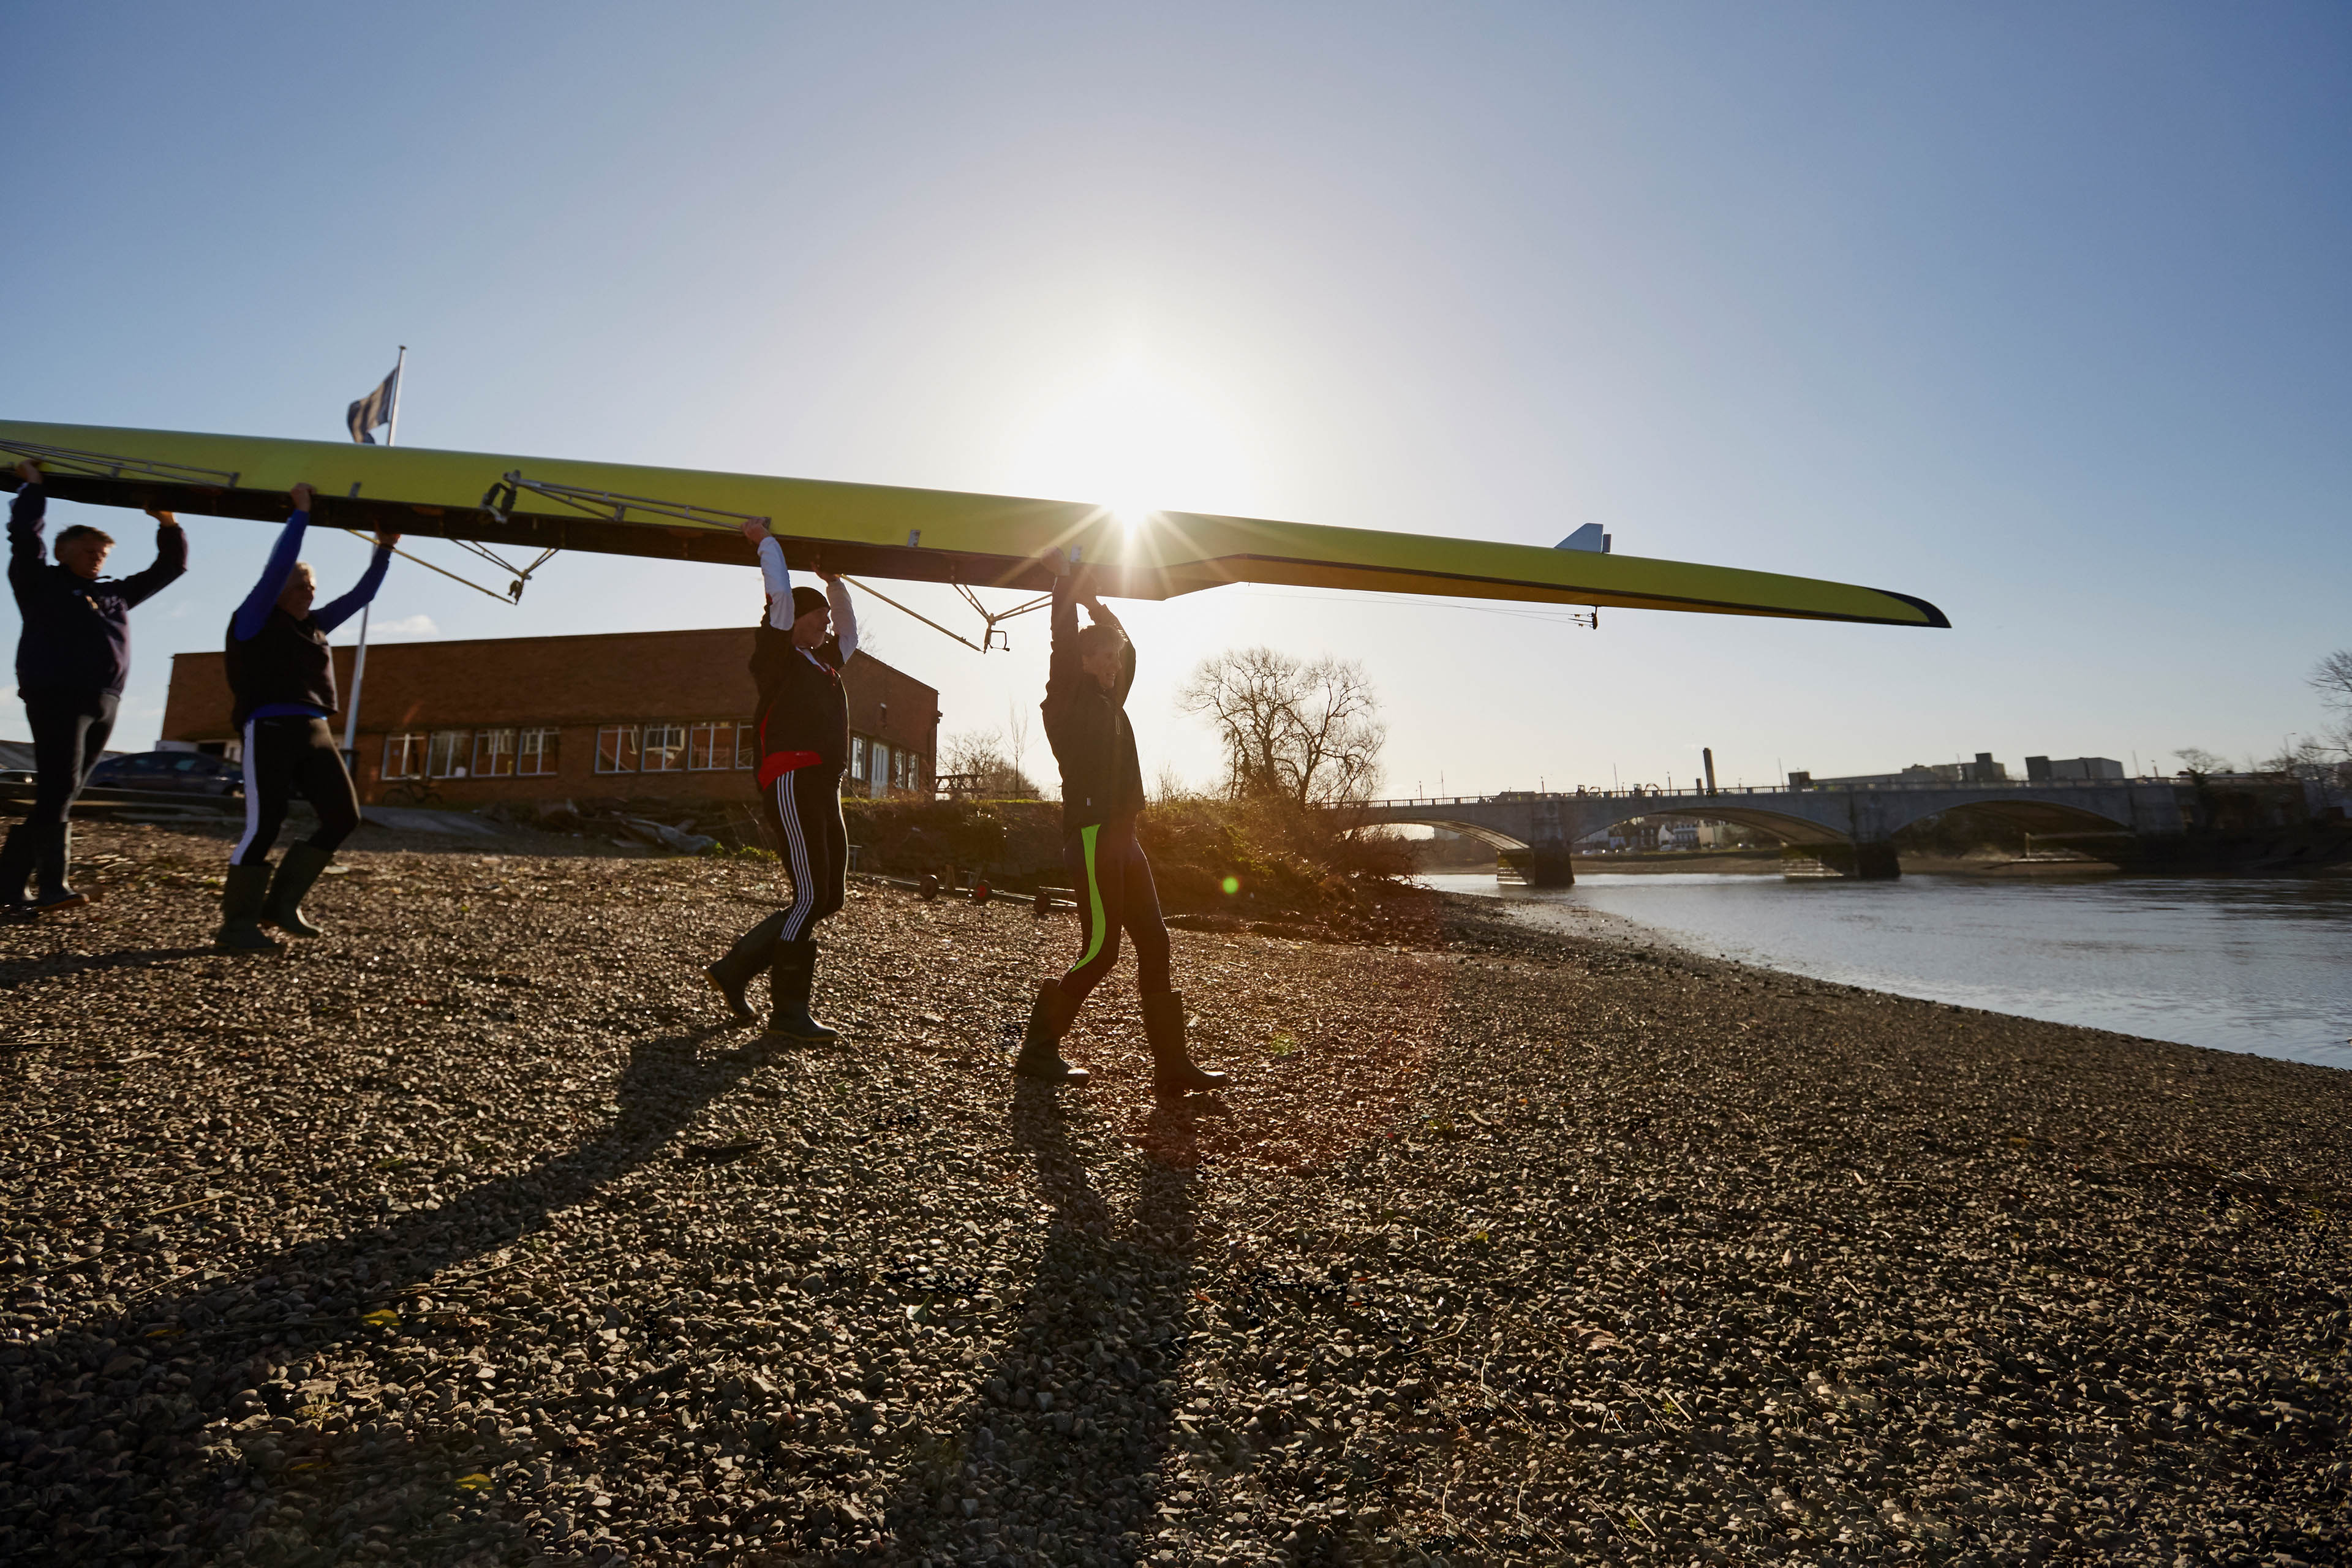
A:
(537, 720)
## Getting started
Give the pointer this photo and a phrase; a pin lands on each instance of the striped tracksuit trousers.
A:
(803, 809)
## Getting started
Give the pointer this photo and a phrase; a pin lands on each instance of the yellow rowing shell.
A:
(881, 531)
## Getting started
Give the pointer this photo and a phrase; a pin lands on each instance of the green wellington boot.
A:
(1049, 1019)
(1173, 1072)
(246, 889)
(296, 872)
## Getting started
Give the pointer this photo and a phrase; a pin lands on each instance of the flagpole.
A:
(359, 659)
(392, 425)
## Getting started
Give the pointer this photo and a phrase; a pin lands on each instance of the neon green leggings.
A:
(1115, 893)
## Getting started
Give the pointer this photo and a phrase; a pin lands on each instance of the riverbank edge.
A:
(1626, 930)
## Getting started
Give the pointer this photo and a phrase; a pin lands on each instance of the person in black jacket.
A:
(1087, 684)
(282, 675)
(801, 724)
(71, 661)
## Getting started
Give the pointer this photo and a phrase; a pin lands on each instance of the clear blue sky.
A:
(2038, 312)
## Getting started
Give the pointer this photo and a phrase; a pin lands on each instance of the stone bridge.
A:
(1826, 830)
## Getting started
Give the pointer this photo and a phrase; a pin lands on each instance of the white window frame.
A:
(619, 748)
(502, 749)
(663, 740)
(541, 746)
(713, 741)
(404, 755)
(442, 750)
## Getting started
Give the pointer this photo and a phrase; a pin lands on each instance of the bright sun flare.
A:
(1135, 441)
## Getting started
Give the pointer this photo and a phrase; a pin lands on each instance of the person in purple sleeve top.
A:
(282, 676)
(71, 662)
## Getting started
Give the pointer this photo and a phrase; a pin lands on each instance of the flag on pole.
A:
(375, 409)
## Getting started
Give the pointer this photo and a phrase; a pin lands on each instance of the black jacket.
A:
(287, 661)
(803, 707)
(77, 634)
(1087, 727)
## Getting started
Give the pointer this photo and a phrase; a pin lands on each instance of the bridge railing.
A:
(1733, 792)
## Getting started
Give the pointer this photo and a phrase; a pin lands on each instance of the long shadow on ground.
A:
(1058, 1462)
(62, 966)
(106, 1419)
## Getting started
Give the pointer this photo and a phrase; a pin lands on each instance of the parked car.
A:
(179, 773)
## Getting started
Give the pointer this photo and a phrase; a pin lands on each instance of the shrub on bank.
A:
(1250, 859)
(1015, 843)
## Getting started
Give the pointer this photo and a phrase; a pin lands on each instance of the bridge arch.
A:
(2032, 816)
(1494, 838)
(1780, 825)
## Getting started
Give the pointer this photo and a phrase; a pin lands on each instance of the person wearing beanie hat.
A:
(1087, 684)
(72, 657)
(801, 725)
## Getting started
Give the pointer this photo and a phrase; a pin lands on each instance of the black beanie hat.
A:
(806, 599)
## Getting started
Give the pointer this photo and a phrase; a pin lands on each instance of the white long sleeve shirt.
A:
(779, 580)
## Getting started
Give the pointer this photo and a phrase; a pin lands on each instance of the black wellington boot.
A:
(791, 978)
(1173, 1072)
(241, 899)
(50, 889)
(732, 975)
(16, 859)
(297, 872)
(1049, 1019)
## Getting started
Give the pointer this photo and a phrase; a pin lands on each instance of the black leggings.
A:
(1115, 893)
(285, 757)
(804, 811)
(69, 732)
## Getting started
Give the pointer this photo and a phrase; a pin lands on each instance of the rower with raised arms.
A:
(72, 660)
(801, 724)
(282, 674)
(1091, 671)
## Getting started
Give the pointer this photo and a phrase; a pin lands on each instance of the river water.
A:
(2241, 964)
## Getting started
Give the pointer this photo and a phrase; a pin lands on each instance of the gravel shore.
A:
(472, 1234)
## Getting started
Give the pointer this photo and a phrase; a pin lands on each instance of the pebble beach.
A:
(474, 1232)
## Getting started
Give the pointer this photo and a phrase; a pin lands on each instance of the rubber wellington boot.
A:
(1173, 1072)
(732, 975)
(241, 899)
(50, 889)
(1049, 1019)
(16, 859)
(296, 872)
(791, 978)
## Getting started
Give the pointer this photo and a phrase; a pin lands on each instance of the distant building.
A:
(623, 713)
(2043, 770)
(1984, 770)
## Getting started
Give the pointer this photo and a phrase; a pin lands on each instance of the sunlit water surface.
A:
(2253, 965)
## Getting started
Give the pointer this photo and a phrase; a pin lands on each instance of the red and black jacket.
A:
(803, 720)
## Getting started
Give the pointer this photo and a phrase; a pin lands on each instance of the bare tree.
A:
(1244, 695)
(2332, 679)
(1017, 734)
(972, 752)
(2200, 762)
(1309, 732)
(979, 755)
